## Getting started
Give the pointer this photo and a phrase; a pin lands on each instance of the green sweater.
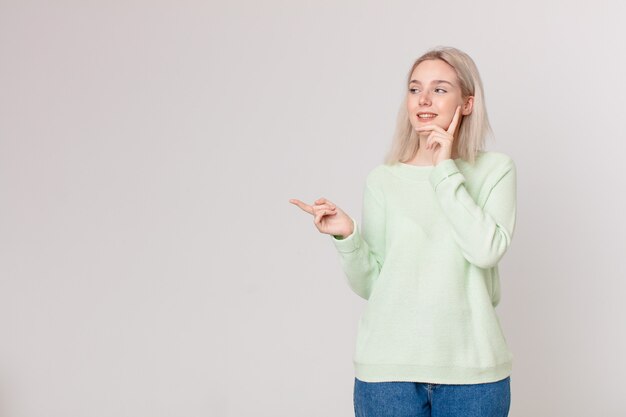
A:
(426, 260)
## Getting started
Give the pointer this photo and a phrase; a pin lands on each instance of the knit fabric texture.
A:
(426, 260)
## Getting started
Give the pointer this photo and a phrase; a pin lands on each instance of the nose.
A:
(424, 98)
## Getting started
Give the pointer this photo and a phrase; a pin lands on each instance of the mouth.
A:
(426, 116)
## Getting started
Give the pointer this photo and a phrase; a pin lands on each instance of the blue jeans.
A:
(417, 399)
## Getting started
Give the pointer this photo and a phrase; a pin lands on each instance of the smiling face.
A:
(434, 94)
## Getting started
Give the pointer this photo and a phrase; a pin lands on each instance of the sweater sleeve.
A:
(362, 252)
(482, 233)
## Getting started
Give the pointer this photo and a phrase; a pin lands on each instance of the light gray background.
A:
(151, 264)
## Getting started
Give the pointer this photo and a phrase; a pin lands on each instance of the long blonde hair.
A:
(474, 127)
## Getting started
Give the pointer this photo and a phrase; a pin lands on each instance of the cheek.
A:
(449, 110)
(449, 105)
(446, 111)
(412, 106)
(411, 101)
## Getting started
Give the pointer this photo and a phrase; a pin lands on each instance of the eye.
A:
(440, 89)
(413, 90)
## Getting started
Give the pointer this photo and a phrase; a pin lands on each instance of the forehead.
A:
(433, 69)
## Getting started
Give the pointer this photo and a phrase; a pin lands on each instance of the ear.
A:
(467, 106)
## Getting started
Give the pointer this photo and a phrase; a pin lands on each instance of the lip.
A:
(426, 120)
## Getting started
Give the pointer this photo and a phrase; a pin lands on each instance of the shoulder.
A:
(494, 157)
(376, 175)
(488, 169)
(494, 163)
(375, 181)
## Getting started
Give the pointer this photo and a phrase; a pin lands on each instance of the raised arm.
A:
(482, 233)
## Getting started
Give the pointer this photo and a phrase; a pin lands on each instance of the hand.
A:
(328, 218)
(443, 138)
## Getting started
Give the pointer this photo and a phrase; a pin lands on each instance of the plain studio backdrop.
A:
(151, 264)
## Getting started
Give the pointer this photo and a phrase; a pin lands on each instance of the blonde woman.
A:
(437, 217)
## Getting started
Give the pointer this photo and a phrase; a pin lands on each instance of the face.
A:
(434, 91)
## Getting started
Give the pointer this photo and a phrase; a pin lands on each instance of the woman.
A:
(437, 217)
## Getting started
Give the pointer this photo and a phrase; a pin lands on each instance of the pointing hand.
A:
(327, 217)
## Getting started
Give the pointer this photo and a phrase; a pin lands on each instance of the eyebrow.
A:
(435, 81)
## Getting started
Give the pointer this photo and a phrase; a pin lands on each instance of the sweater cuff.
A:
(351, 242)
(443, 170)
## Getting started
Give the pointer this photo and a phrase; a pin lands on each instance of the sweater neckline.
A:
(416, 172)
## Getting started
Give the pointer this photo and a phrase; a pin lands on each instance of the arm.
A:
(362, 255)
(482, 233)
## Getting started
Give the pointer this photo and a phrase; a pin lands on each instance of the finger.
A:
(322, 200)
(430, 141)
(324, 207)
(433, 128)
(429, 126)
(424, 128)
(435, 139)
(302, 205)
(455, 121)
(439, 137)
(310, 209)
(318, 217)
(433, 144)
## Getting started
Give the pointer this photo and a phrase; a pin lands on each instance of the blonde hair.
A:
(473, 129)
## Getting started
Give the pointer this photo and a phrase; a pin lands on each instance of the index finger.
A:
(455, 121)
(302, 205)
